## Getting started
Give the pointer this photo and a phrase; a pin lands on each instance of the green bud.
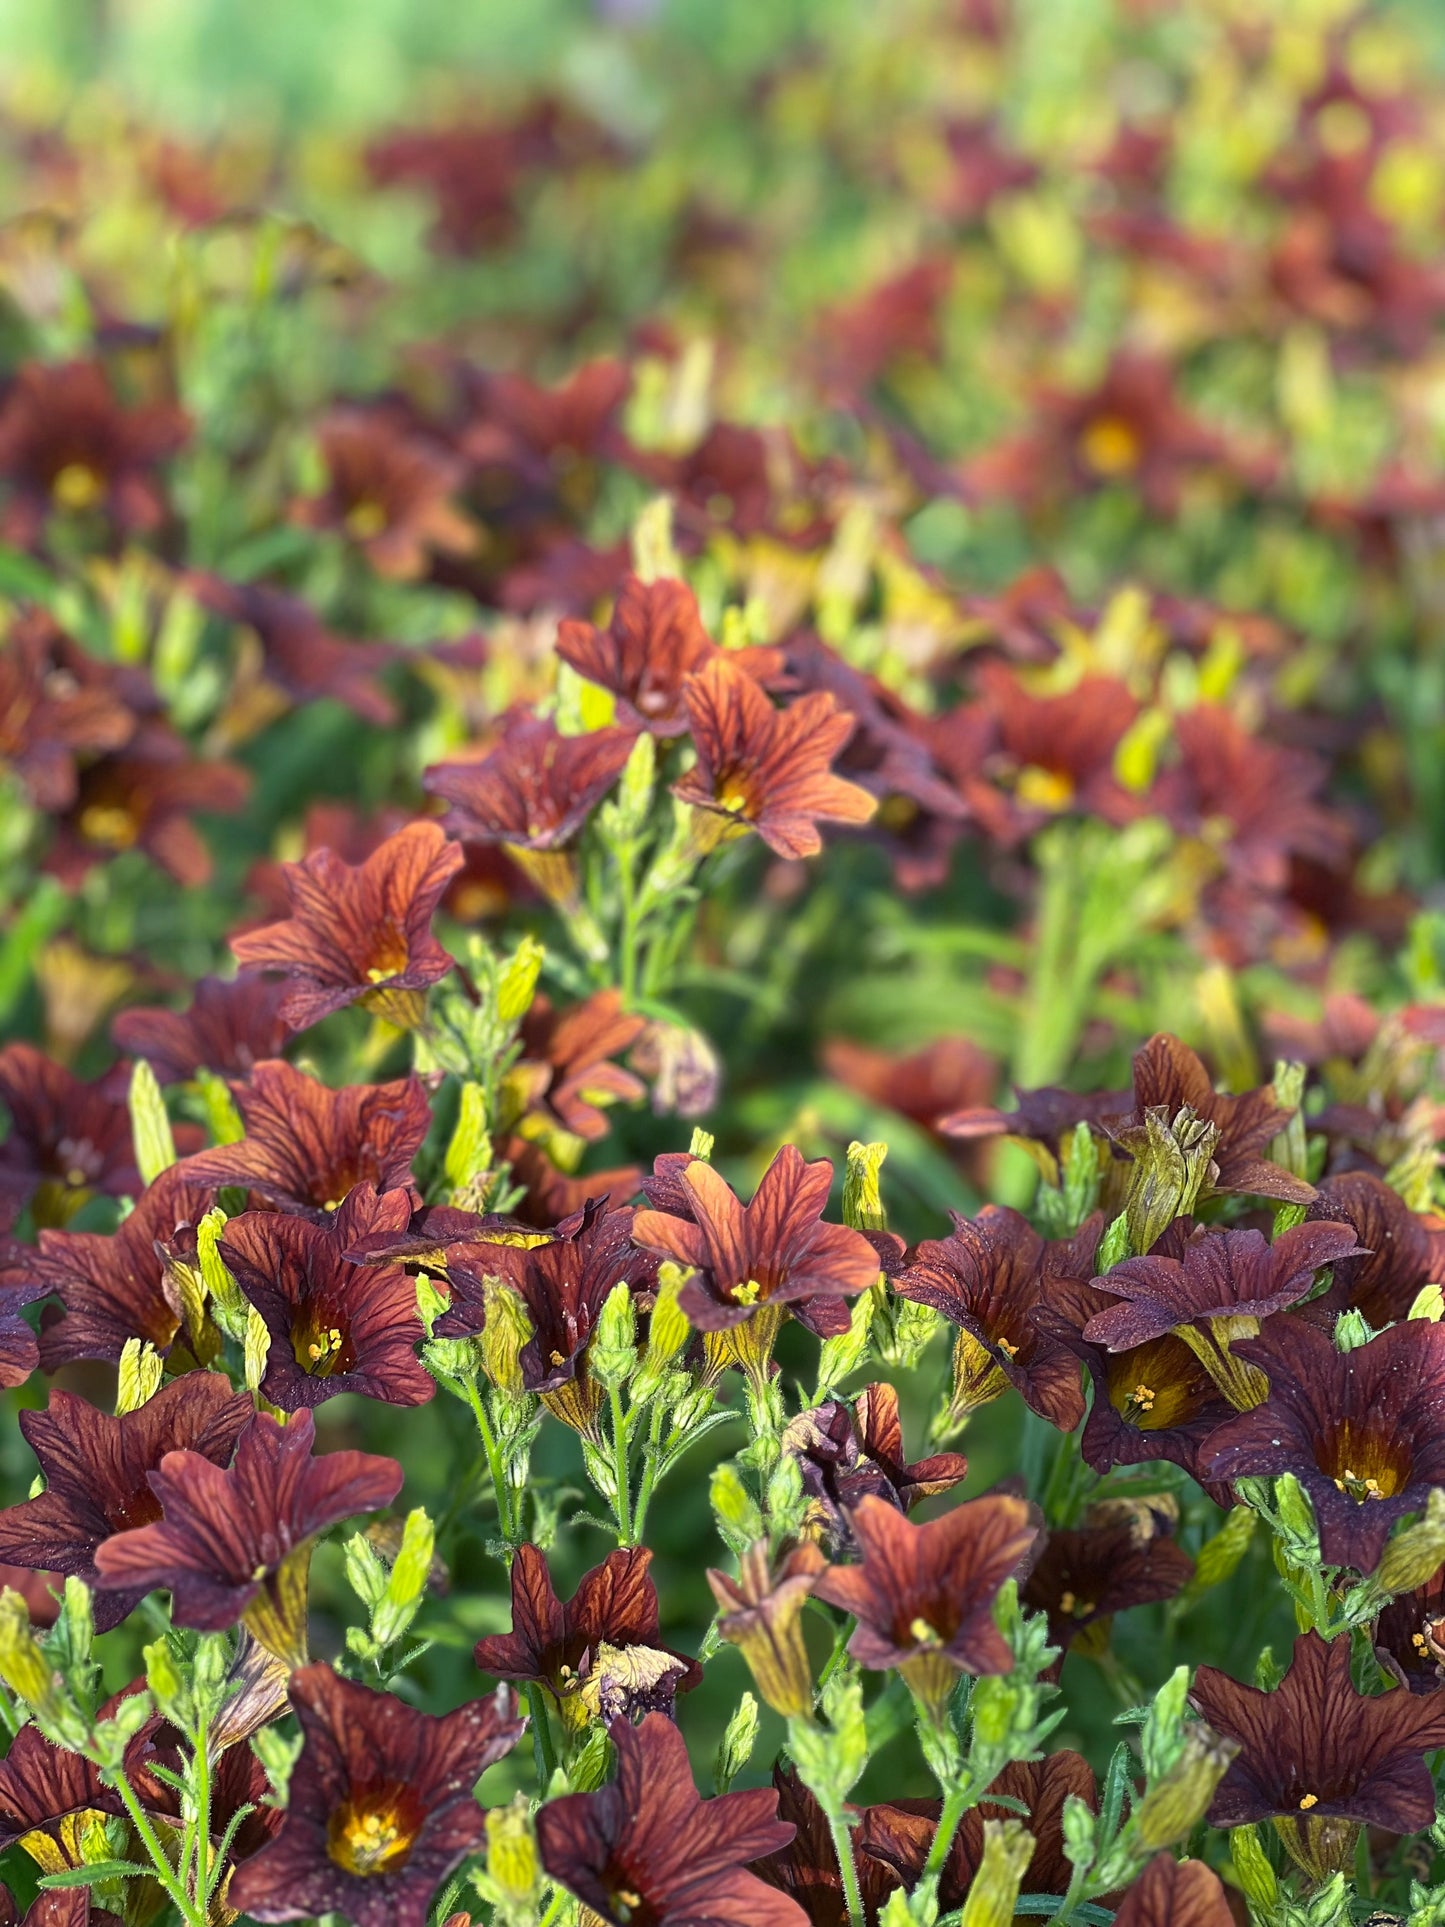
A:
(1297, 1519)
(702, 1143)
(111, 1737)
(1291, 1147)
(223, 1119)
(469, 1153)
(830, 1760)
(590, 1767)
(736, 1511)
(228, 1306)
(612, 1355)
(517, 981)
(1008, 1847)
(845, 1353)
(1172, 1161)
(141, 1370)
(634, 791)
(1080, 1826)
(1352, 1329)
(1413, 1556)
(667, 1331)
(1162, 1740)
(166, 1683)
(862, 1197)
(1175, 1804)
(405, 1586)
(1267, 1671)
(277, 1752)
(23, 1665)
(506, 1331)
(365, 1573)
(1219, 1557)
(1114, 1246)
(155, 1144)
(512, 1860)
(1252, 1869)
(994, 1709)
(736, 1746)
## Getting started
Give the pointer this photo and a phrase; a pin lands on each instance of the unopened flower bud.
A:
(1172, 1164)
(512, 1861)
(735, 1748)
(1008, 1847)
(505, 1332)
(862, 1195)
(1252, 1869)
(612, 1355)
(1413, 1556)
(667, 1331)
(1172, 1806)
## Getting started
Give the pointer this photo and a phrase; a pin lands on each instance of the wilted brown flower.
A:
(760, 1612)
(847, 1453)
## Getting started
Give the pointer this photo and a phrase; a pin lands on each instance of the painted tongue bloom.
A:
(986, 1279)
(1320, 1758)
(1085, 1575)
(335, 1326)
(847, 1453)
(67, 1139)
(754, 1262)
(646, 1851)
(234, 1542)
(1215, 1293)
(567, 1072)
(231, 1026)
(600, 1653)
(1395, 1257)
(381, 1808)
(923, 1595)
(97, 1474)
(306, 1146)
(360, 933)
(1363, 1431)
(764, 768)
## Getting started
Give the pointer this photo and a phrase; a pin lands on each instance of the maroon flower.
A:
(1410, 1636)
(231, 1026)
(847, 1453)
(766, 768)
(117, 1286)
(300, 656)
(1394, 1259)
(388, 491)
(96, 1474)
(1083, 1577)
(1053, 753)
(143, 797)
(806, 1869)
(56, 705)
(1042, 1118)
(986, 1279)
(653, 643)
(67, 444)
(567, 1068)
(1363, 1431)
(360, 933)
(564, 1284)
(773, 1253)
(923, 1595)
(1175, 1893)
(335, 1327)
(1315, 1750)
(600, 1654)
(381, 1807)
(306, 1145)
(227, 1542)
(67, 1139)
(647, 1852)
(42, 1786)
(949, 1075)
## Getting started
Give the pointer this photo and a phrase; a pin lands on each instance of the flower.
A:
(646, 1850)
(847, 1452)
(57, 704)
(773, 1253)
(1054, 754)
(1363, 1431)
(381, 1807)
(1169, 1076)
(1083, 1577)
(67, 1139)
(1320, 1756)
(807, 1867)
(949, 1075)
(68, 445)
(230, 1027)
(42, 1787)
(232, 1542)
(986, 1278)
(766, 768)
(335, 1326)
(300, 656)
(1410, 1636)
(142, 797)
(653, 643)
(761, 1611)
(923, 1595)
(1175, 1893)
(120, 1285)
(97, 1471)
(388, 491)
(600, 1653)
(360, 933)
(1394, 1258)
(564, 1284)
(306, 1145)
(1217, 1292)
(566, 1068)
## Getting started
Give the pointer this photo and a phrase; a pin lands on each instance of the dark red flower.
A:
(1175, 1893)
(230, 1027)
(301, 656)
(1168, 1076)
(335, 1327)
(67, 1139)
(947, 1076)
(360, 933)
(1316, 1750)
(847, 1453)
(1395, 1258)
(381, 1807)
(57, 705)
(987, 1278)
(41, 1786)
(1084, 1576)
(1044, 1118)
(567, 1066)
(600, 1654)
(117, 1286)
(97, 1470)
(1363, 1431)
(226, 1534)
(653, 643)
(923, 1595)
(546, 434)
(806, 1869)
(67, 444)
(307, 1145)
(1052, 753)
(647, 1852)
(389, 491)
(564, 1284)
(1410, 1636)
(766, 768)
(775, 1252)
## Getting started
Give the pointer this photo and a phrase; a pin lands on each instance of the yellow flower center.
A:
(1044, 789)
(1110, 446)
(109, 824)
(77, 487)
(370, 1839)
(1309, 1800)
(366, 520)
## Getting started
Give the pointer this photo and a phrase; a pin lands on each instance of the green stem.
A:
(543, 1754)
(201, 1768)
(622, 1503)
(164, 1872)
(954, 1807)
(498, 1471)
(652, 1456)
(631, 919)
(847, 1865)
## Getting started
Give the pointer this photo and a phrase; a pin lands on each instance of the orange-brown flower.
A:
(67, 1139)
(57, 706)
(1175, 1893)
(567, 1068)
(760, 1611)
(231, 1026)
(142, 797)
(766, 768)
(390, 492)
(360, 933)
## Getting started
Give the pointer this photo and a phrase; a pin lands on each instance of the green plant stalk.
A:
(651, 1460)
(164, 1872)
(955, 1805)
(543, 1753)
(622, 1473)
(505, 1524)
(201, 1766)
(847, 1866)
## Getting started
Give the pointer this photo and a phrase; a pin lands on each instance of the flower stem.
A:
(847, 1865)
(164, 1873)
(954, 1807)
(543, 1754)
(622, 1504)
(494, 1461)
(201, 1768)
